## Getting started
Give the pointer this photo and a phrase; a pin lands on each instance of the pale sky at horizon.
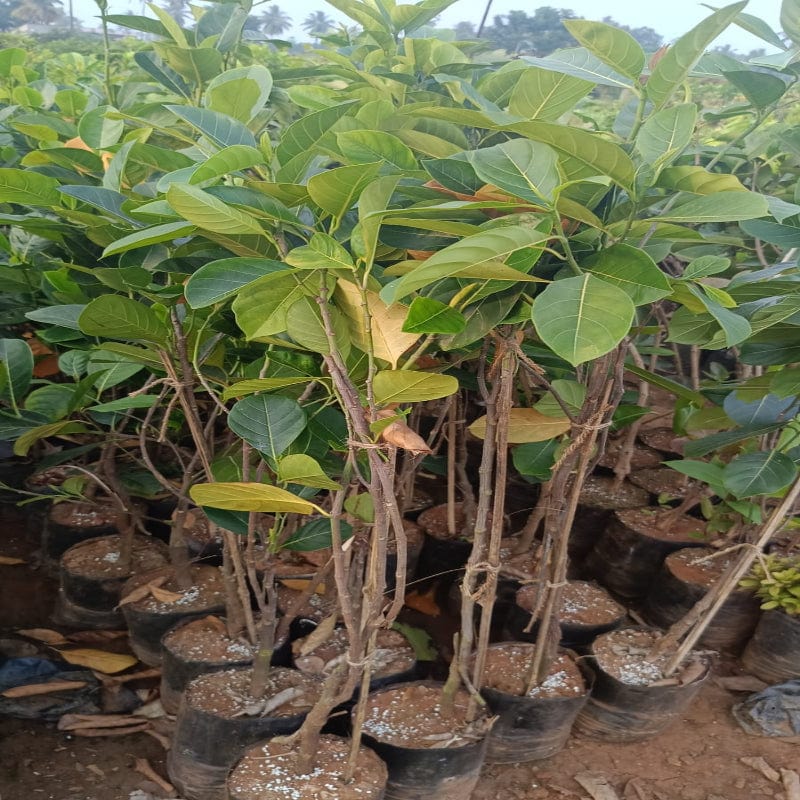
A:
(670, 19)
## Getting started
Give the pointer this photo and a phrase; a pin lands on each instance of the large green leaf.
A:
(253, 385)
(251, 497)
(110, 368)
(239, 93)
(99, 128)
(676, 64)
(303, 470)
(699, 180)
(430, 316)
(195, 64)
(336, 191)
(207, 212)
(526, 425)
(367, 147)
(144, 238)
(24, 443)
(219, 280)
(114, 317)
(535, 459)
(28, 188)
(16, 370)
(520, 167)
(602, 157)
(231, 159)
(269, 423)
(632, 270)
(666, 134)
(316, 535)
(65, 316)
(719, 207)
(754, 474)
(261, 310)
(321, 252)
(305, 325)
(582, 318)
(580, 63)
(219, 128)
(410, 386)
(787, 236)
(545, 95)
(761, 89)
(790, 19)
(613, 46)
(468, 256)
(154, 66)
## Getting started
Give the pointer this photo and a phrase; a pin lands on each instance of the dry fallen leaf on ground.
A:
(98, 659)
(424, 603)
(140, 592)
(43, 635)
(143, 767)
(164, 596)
(32, 689)
(760, 765)
(10, 561)
(597, 786)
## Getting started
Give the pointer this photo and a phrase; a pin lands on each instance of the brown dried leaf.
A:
(74, 722)
(164, 596)
(9, 561)
(759, 764)
(597, 786)
(399, 434)
(140, 592)
(96, 637)
(142, 766)
(300, 584)
(43, 635)
(424, 603)
(98, 659)
(32, 689)
(791, 783)
(140, 727)
(741, 683)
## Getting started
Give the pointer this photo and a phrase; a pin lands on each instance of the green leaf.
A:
(127, 403)
(158, 233)
(24, 442)
(153, 65)
(666, 134)
(239, 93)
(790, 19)
(719, 441)
(676, 64)
(269, 423)
(16, 370)
(545, 95)
(367, 147)
(251, 497)
(321, 252)
(316, 535)
(760, 88)
(580, 63)
(786, 236)
(335, 191)
(65, 316)
(218, 280)
(207, 212)
(594, 153)
(261, 310)
(520, 167)
(219, 128)
(611, 45)
(410, 386)
(114, 317)
(53, 400)
(698, 180)
(304, 324)
(712, 474)
(526, 425)
(98, 130)
(632, 270)
(673, 387)
(582, 318)
(704, 266)
(535, 459)
(195, 64)
(306, 471)
(763, 410)
(253, 385)
(724, 206)
(28, 188)
(231, 159)
(430, 316)
(472, 256)
(754, 474)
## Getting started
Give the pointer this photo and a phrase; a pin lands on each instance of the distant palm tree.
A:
(317, 23)
(274, 22)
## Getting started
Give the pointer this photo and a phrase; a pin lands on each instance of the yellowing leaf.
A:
(526, 425)
(165, 596)
(389, 342)
(98, 659)
(43, 635)
(10, 561)
(251, 497)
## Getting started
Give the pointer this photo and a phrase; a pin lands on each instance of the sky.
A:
(670, 18)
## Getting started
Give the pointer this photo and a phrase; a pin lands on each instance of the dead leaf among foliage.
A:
(32, 689)
(140, 592)
(165, 596)
(43, 635)
(399, 434)
(100, 660)
(75, 722)
(10, 561)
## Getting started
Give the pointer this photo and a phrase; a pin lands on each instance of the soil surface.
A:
(100, 558)
(582, 603)
(601, 493)
(699, 566)
(508, 663)
(663, 524)
(206, 640)
(698, 758)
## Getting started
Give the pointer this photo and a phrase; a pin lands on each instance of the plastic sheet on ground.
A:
(774, 711)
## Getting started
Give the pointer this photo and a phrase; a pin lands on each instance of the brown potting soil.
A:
(227, 693)
(268, 771)
(414, 538)
(521, 566)
(434, 522)
(508, 664)
(317, 608)
(197, 528)
(54, 476)
(100, 558)
(582, 603)
(206, 590)
(663, 439)
(411, 715)
(393, 654)
(699, 566)
(84, 515)
(661, 481)
(663, 524)
(642, 456)
(206, 640)
(601, 492)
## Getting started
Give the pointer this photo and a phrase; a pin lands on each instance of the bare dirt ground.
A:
(697, 759)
